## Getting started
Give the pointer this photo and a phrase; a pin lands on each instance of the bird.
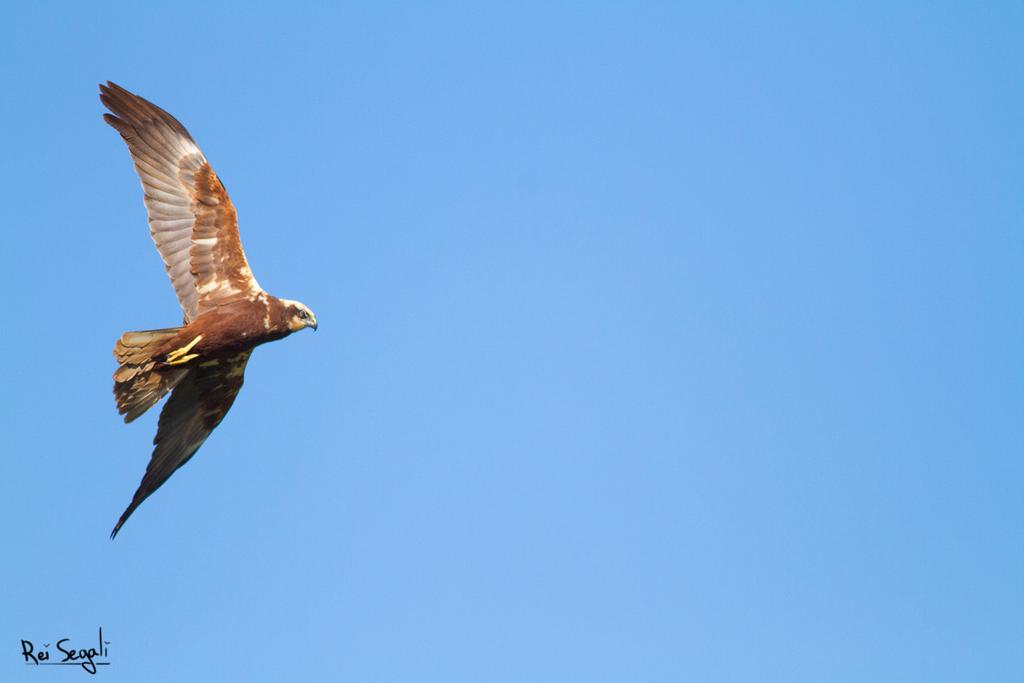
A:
(226, 313)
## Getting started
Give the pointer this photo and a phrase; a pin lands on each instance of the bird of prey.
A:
(227, 314)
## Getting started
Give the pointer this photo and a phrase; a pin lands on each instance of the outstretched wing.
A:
(197, 405)
(191, 219)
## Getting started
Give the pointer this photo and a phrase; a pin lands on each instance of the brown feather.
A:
(197, 405)
(138, 382)
(192, 220)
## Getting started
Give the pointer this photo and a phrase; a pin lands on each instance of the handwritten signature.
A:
(84, 657)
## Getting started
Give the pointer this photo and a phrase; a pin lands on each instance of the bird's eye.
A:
(303, 315)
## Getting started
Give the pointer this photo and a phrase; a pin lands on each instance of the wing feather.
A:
(197, 405)
(186, 203)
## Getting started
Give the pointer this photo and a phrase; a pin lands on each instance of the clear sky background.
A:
(657, 343)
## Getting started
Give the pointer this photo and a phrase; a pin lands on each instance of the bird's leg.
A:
(178, 356)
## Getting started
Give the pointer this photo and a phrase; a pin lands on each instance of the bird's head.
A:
(297, 315)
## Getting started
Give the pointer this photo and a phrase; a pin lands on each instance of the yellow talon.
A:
(178, 356)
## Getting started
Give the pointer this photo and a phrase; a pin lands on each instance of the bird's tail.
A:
(138, 385)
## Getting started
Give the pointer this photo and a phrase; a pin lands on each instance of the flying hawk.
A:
(227, 314)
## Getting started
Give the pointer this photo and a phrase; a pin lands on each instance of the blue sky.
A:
(657, 343)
